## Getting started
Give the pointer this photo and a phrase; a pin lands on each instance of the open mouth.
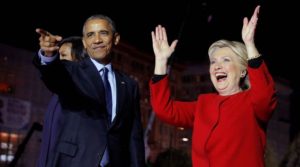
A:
(221, 77)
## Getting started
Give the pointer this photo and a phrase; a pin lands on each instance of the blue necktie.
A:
(105, 158)
(108, 95)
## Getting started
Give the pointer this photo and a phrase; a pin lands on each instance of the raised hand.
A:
(248, 32)
(48, 42)
(249, 27)
(161, 49)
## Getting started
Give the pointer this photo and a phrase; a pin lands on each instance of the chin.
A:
(98, 57)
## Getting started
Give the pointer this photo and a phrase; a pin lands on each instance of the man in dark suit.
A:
(102, 124)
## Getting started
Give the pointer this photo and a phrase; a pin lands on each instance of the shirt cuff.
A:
(157, 78)
(256, 62)
(45, 59)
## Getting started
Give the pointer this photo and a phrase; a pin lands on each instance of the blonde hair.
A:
(239, 49)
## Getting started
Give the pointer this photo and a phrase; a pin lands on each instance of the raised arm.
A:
(161, 49)
(263, 93)
(168, 110)
(48, 42)
(248, 32)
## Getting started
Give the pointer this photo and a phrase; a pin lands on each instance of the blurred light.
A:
(5, 158)
(6, 146)
(5, 88)
(180, 128)
(4, 136)
(209, 18)
(185, 139)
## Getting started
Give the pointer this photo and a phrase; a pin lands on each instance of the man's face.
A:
(98, 39)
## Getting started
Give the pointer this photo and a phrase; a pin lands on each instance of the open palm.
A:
(161, 47)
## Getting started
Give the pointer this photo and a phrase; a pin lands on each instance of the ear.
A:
(116, 38)
(243, 74)
(84, 44)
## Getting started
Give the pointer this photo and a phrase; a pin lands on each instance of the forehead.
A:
(97, 25)
(65, 46)
(220, 52)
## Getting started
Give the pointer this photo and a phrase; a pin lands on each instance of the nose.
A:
(98, 38)
(217, 66)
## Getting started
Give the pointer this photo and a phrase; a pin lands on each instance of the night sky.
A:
(195, 23)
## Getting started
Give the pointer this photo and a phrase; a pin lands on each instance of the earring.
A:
(243, 74)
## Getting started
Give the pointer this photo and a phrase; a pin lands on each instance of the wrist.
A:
(254, 57)
(160, 69)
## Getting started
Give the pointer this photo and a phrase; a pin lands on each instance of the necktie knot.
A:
(105, 72)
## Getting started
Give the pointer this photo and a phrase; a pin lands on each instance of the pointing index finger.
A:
(42, 32)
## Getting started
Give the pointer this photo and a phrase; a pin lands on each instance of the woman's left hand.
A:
(249, 27)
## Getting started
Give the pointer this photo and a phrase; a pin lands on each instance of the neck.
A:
(231, 92)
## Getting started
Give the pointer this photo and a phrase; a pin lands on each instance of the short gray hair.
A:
(102, 17)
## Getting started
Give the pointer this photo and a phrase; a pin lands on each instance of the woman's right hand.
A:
(161, 49)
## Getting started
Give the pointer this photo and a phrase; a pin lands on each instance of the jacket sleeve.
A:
(54, 75)
(262, 92)
(174, 112)
(137, 147)
(58, 80)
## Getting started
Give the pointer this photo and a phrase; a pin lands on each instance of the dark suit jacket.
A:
(52, 123)
(85, 132)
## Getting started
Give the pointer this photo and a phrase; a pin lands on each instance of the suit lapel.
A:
(121, 94)
(97, 83)
(95, 78)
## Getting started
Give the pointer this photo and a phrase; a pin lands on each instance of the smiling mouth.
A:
(221, 77)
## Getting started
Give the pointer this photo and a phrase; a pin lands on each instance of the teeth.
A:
(220, 74)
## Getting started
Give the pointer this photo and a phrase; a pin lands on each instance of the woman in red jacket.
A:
(229, 127)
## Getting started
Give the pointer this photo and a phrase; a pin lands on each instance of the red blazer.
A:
(228, 131)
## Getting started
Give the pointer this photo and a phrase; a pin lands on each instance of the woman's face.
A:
(225, 71)
(65, 52)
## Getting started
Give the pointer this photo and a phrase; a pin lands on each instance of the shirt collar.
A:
(99, 66)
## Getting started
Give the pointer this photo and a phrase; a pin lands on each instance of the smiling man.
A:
(100, 104)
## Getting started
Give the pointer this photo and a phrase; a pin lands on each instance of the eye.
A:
(89, 34)
(104, 32)
(227, 60)
(212, 62)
